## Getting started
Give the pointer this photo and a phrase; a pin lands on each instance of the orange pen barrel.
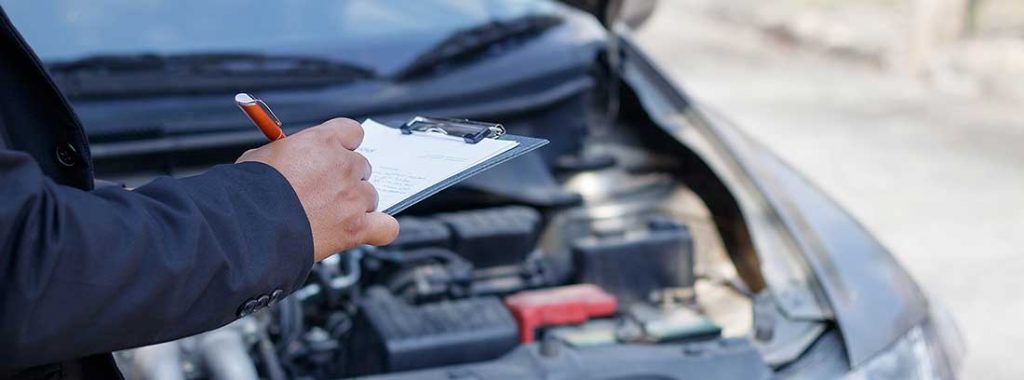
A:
(257, 112)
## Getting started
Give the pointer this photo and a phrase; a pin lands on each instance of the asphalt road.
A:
(938, 178)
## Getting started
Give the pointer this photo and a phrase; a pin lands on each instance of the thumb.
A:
(381, 229)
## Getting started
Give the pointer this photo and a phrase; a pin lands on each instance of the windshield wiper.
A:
(467, 44)
(211, 63)
(153, 74)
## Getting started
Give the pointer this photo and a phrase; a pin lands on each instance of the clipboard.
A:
(471, 132)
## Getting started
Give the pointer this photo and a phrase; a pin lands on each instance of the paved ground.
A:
(939, 178)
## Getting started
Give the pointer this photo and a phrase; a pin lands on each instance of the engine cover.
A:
(391, 335)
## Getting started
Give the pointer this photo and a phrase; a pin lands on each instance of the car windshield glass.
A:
(380, 35)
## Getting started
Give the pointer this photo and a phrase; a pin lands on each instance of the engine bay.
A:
(595, 257)
(618, 263)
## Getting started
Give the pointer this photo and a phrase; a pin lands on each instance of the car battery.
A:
(566, 305)
(633, 264)
(391, 335)
(417, 232)
(493, 237)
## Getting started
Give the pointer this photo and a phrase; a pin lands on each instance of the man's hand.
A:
(331, 182)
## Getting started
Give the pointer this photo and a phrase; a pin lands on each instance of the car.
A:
(650, 239)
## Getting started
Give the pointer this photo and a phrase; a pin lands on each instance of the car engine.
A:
(594, 257)
(580, 268)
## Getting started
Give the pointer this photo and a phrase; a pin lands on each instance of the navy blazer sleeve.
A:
(89, 272)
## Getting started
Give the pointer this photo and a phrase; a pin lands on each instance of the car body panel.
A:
(873, 300)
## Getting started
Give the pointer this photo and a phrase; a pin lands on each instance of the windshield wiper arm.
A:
(466, 44)
(113, 76)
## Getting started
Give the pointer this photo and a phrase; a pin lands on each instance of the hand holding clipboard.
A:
(419, 158)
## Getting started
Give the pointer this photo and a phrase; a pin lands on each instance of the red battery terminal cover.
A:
(573, 304)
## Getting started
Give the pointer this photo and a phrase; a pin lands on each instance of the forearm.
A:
(93, 272)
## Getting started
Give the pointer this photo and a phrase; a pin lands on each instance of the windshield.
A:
(382, 35)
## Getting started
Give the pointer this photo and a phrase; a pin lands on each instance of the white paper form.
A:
(404, 165)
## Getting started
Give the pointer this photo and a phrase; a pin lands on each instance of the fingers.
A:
(352, 165)
(348, 132)
(381, 229)
(365, 168)
(368, 194)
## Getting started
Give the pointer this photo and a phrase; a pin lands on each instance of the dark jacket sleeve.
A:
(89, 272)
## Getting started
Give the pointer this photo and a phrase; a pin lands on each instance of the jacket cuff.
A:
(277, 233)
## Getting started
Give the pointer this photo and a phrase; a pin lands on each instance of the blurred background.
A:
(910, 113)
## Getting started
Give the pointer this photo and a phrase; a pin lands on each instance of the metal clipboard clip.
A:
(469, 131)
